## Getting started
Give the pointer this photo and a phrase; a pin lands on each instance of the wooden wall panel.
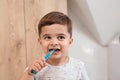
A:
(18, 33)
(12, 39)
(34, 10)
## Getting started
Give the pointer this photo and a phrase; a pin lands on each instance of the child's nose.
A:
(54, 42)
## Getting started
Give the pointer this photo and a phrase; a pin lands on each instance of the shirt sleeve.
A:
(34, 78)
(84, 75)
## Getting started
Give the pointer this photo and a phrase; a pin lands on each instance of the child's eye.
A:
(47, 37)
(60, 37)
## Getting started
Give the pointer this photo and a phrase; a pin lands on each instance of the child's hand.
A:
(37, 65)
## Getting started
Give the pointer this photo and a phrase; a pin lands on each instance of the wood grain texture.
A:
(19, 35)
(12, 39)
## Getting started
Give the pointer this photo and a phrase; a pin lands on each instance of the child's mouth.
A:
(54, 49)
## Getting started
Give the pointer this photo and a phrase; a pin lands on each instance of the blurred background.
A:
(96, 33)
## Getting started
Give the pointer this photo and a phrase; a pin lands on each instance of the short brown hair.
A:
(55, 18)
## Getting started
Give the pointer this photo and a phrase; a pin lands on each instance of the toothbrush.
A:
(46, 58)
(49, 54)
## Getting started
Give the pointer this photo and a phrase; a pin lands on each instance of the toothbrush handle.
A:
(49, 54)
(33, 71)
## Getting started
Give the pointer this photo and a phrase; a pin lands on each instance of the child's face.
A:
(55, 36)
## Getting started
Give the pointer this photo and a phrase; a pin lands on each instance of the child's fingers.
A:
(42, 61)
(38, 64)
(35, 68)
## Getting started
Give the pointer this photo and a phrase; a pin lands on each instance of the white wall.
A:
(113, 61)
(106, 14)
(85, 48)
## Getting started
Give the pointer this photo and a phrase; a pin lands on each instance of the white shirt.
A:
(73, 70)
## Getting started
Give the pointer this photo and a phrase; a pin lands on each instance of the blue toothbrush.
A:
(46, 58)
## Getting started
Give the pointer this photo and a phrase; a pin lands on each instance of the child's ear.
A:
(71, 41)
(39, 40)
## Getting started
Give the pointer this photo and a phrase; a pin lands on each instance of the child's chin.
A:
(56, 56)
